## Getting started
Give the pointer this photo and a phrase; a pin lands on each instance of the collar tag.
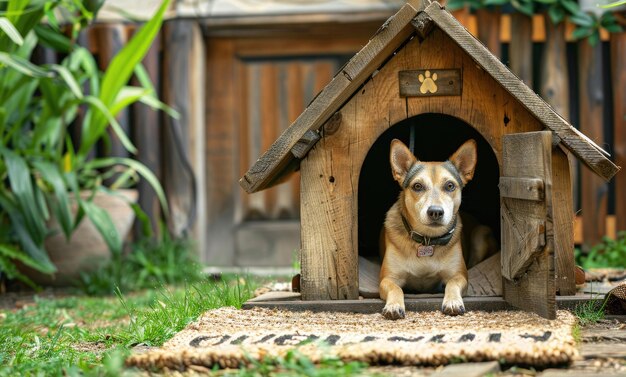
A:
(425, 251)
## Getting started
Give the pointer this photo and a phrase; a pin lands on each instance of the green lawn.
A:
(92, 335)
(83, 335)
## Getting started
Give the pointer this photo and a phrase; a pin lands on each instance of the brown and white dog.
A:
(422, 233)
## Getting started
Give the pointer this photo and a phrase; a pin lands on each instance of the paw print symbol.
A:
(428, 82)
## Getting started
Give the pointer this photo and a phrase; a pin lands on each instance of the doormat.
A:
(229, 338)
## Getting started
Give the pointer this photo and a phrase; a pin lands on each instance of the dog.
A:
(422, 232)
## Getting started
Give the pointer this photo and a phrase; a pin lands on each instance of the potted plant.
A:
(47, 182)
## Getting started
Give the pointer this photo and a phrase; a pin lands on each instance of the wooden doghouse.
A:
(422, 69)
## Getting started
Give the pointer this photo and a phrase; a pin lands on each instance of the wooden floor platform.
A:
(292, 301)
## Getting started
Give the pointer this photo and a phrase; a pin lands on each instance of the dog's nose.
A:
(435, 213)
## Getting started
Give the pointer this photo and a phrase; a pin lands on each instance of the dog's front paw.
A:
(453, 306)
(394, 311)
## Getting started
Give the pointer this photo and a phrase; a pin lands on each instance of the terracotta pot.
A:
(86, 250)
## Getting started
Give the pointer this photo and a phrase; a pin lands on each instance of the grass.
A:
(84, 335)
(170, 311)
(577, 333)
(294, 363)
(166, 260)
(590, 312)
(92, 336)
(607, 254)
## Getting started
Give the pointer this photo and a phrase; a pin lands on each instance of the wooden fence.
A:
(238, 87)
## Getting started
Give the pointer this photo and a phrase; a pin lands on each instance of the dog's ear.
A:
(465, 160)
(401, 160)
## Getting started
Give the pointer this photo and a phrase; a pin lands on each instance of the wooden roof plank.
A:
(278, 160)
(584, 148)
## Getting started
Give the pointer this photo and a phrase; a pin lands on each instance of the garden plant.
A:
(43, 170)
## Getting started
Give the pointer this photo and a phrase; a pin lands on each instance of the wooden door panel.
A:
(527, 229)
(275, 91)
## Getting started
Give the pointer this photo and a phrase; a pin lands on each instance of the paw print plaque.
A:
(430, 82)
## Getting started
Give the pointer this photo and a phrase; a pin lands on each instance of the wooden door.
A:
(274, 92)
(528, 277)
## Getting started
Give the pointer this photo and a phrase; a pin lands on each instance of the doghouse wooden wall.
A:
(331, 171)
(205, 66)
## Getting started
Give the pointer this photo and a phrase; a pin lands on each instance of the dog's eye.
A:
(450, 186)
(418, 187)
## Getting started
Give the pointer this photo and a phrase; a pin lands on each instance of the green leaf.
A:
(49, 11)
(524, 7)
(22, 189)
(24, 15)
(607, 18)
(16, 254)
(89, 65)
(72, 183)
(571, 6)
(7, 27)
(546, 1)
(125, 179)
(452, 5)
(594, 38)
(15, 98)
(475, 4)
(12, 273)
(495, 2)
(50, 172)
(613, 5)
(144, 220)
(143, 77)
(610, 22)
(136, 165)
(154, 103)
(150, 99)
(69, 79)
(581, 32)
(102, 221)
(34, 249)
(42, 205)
(127, 96)
(50, 94)
(117, 128)
(122, 65)
(556, 13)
(51, 38)
(24, 66)
(93, 6)
(614, 28)
(583, 19)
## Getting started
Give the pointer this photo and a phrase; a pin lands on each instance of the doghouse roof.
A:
(284, 155)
